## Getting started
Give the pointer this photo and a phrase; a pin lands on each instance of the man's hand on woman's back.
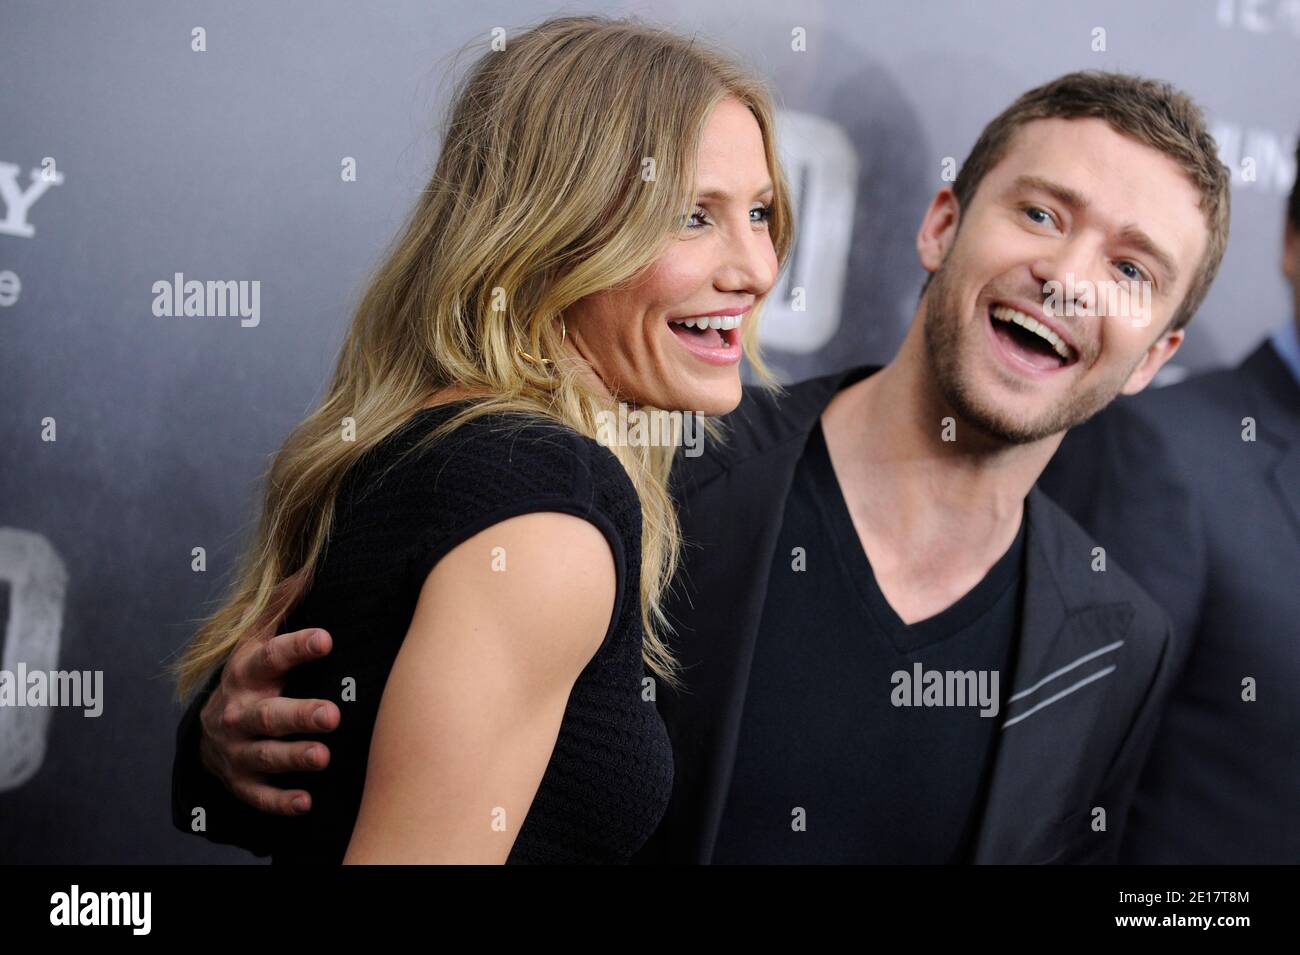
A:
(245, 717)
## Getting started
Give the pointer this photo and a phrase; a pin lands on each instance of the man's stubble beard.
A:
(945, 353)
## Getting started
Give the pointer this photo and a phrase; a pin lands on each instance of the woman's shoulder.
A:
(507, 454)
(493, 467)
(487, 469)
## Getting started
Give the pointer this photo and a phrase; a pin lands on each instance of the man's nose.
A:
(1073, 268)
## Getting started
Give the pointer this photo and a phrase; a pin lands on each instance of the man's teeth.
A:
(1005, 314)
(710, 321)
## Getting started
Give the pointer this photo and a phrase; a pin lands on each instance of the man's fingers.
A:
(278, 802)
(276, 656)
(284, 716)
(267, 757)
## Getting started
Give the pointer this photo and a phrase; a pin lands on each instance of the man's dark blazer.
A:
(1091, 661)
(1209, 524)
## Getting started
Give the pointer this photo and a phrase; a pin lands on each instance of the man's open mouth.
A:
(1029, 340)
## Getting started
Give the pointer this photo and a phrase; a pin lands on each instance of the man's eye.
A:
(1046, 216)
(1136, 275)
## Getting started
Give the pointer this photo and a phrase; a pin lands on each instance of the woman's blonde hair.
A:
(538, 200)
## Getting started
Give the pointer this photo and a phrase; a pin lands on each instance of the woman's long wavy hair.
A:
(538, 200)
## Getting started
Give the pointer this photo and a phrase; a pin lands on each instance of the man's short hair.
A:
(1152, 112)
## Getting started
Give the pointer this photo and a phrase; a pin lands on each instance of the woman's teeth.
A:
(710, 321)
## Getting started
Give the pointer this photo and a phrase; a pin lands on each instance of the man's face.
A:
(1072, 206)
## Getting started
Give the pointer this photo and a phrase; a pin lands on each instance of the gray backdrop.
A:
(151, 158)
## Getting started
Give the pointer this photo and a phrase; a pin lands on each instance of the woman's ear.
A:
(938, 229)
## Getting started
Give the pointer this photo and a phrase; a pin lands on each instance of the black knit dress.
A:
(609, 779)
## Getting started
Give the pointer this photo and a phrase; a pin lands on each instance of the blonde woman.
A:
(490, 571)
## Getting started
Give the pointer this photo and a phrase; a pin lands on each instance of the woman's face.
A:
(713, 274)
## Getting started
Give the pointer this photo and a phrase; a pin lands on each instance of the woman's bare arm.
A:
(472, 706)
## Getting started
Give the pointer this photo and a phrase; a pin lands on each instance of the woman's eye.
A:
(687, 220)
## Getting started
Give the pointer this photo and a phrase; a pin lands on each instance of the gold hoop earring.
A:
(543, 362)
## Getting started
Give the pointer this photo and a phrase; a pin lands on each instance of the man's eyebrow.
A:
(1129, 235)
(1132, 235)
(1057, 191)
(724, 195)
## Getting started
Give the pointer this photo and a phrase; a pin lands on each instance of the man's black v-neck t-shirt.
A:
(828, 767)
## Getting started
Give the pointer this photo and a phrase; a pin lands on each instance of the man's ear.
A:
(1156, 356)
(938, 229)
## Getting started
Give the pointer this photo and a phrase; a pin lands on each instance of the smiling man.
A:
(879, 522)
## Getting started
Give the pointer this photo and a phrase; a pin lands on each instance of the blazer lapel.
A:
(1064, 658)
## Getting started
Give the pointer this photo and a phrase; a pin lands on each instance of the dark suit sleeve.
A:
(227, 819)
